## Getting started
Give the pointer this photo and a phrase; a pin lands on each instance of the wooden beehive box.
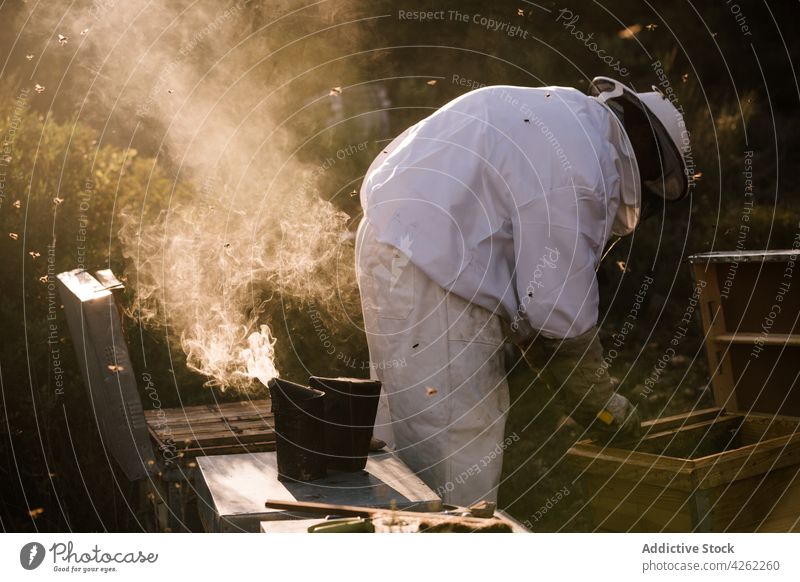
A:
(227, 428)
(180, 435)
(731, 468)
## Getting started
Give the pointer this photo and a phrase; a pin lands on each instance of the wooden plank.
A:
(206, 420)
(659, 514)
(744, 462)
(199, 414)
(218, 438)
(787, 524)
(745, 505)
(674, 421)
(694, 440)
(224, 426)
(632, 518)
(657, 504)
(668, 509)
(221, 441)
(777, 339)
(211, 427)
(705, 472)
(228, 427)
(625, 506)
(638, 492)
(226, 439)
(233, 449)
(208, 429)
(632, 466)
(784, 514)
(759, 427)
(679, 420)
(646, 507)
(714, 325)
(209, 443)
(693, 429)
(237, 406)
(740, 487)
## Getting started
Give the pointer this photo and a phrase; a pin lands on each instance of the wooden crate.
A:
(731, 468)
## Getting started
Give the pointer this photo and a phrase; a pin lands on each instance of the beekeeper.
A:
(487, 220)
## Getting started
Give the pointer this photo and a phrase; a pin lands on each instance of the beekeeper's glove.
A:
(618, 420)
(575, 370)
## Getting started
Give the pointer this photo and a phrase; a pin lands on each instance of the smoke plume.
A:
(217, 83)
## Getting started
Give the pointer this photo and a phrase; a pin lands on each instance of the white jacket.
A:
(506, 197)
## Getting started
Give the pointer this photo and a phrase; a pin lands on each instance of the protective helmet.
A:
(668, 127)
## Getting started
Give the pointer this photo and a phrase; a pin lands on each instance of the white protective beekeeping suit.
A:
(496, 206)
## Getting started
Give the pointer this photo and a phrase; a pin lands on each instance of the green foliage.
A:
(62, 191)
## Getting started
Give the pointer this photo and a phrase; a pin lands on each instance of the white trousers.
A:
(440, 359)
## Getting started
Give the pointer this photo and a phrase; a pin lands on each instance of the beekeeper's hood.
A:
(630, 201)
(668, 128)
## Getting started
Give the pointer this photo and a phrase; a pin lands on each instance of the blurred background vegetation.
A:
(739, 92)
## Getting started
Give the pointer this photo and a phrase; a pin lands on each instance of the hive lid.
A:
(749, 309)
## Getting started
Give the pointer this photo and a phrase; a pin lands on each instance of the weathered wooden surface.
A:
(233, 489)
(748, 481)
(695, 440)
(227, 428)
(732, 306)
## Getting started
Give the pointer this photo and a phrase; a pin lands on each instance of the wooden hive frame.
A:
(246, 426)
(171, 499)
